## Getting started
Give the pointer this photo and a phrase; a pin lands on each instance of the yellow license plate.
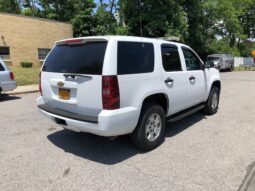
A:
(64, 94)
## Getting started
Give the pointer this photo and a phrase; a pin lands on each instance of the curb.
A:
(22, 92)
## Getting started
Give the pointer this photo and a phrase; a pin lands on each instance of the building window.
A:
(5, 52)
(42, 53)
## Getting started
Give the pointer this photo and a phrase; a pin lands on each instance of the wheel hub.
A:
(153, 127)
(214, 100)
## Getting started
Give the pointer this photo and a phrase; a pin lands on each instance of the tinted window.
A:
(85, 58)
(192, 61)
(170, 58)
(1, 67)
(213, 58)
(135, 57)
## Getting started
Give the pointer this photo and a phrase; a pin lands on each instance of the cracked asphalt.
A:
(200, 153)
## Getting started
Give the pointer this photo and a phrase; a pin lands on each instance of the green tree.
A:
(10, 6)
(200, 23)
(105, 21)
(83, 22)
(30, 7)
(248, 18)
(154, 18)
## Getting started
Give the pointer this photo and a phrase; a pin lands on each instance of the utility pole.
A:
(33, 8)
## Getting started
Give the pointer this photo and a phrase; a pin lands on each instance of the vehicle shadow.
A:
(110, 152)
(175, 128)
(7, 97)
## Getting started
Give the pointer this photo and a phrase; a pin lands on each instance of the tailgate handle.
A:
(77, 75)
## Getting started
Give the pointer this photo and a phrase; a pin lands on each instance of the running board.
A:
(185, 113)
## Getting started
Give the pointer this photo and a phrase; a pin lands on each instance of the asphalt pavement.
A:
(200, 153)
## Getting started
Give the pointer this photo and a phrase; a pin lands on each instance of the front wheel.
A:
(149, 132)
(212, 103)
(231, 68)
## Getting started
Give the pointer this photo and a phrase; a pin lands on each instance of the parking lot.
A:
(199, 153)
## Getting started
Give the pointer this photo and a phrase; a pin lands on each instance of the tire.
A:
(231, 68)
(211, 106)
(148, 137)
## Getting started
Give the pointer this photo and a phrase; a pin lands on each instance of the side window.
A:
(192, 61)
(171, 58)
(135, 57)
(1, 67)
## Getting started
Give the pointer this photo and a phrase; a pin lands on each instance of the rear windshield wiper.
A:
(71, 75)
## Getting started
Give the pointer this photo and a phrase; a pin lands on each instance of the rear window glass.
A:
(85, 58)
(135, 57)
(1, 67)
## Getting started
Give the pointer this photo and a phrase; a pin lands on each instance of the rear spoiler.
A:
(82, 40)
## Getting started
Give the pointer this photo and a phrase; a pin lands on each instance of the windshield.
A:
(213, 58)
(85, 58)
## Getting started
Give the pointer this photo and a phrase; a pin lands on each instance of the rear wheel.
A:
(212, 103)
(149, 132)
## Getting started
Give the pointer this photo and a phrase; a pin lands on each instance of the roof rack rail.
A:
(171, 38)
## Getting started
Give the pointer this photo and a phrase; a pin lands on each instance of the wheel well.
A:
(217, 84)
(160, 99)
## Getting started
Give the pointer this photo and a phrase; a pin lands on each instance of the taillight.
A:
(40, 83)
(110, 92)
(73, 41)
(11, 76)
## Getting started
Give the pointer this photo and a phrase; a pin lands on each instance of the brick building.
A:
(25, 38)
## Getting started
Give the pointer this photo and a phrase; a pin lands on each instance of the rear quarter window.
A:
(135, 57)
(85, 58)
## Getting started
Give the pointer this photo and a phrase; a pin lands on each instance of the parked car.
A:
(222, 61)
(116, 85)
(7, 82)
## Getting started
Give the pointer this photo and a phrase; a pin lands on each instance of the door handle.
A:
(169, 80)
(192, 78)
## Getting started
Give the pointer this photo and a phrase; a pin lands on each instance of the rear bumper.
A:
(8, 86)
(107, 123)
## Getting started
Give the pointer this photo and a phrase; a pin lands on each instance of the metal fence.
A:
(244, 61)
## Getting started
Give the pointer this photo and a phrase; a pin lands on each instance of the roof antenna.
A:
(140, 18)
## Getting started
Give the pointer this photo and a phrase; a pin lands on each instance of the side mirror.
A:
(209, 64)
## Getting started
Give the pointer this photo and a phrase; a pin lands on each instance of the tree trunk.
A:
(232, 41)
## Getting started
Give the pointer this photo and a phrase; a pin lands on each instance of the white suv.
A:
(116, 85)
(7, 82)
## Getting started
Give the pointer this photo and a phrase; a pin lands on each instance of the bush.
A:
(26, 64)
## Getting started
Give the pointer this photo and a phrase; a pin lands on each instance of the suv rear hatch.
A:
(71, 77)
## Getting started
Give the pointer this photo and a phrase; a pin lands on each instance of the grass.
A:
(245, 68)
(26, 76)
